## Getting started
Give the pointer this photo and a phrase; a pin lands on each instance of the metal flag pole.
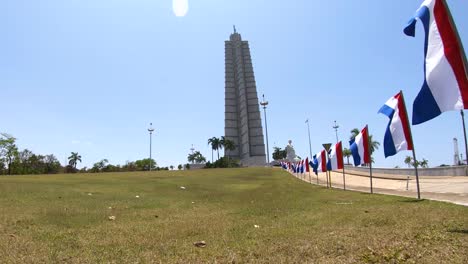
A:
(464, 133)
(344, 181)
(412, 143)
(310, 148)
(327, 146)
(370, 160)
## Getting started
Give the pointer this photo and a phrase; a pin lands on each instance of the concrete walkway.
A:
(447, 189)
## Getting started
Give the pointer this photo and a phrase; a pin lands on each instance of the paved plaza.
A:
(443, 188)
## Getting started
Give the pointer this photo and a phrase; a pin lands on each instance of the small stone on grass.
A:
(201, 244)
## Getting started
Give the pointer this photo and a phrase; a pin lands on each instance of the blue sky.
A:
(90, 75)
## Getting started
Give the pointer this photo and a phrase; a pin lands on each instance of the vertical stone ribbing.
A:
(243, 123)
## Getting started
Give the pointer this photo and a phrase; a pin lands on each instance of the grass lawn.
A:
(54, 219)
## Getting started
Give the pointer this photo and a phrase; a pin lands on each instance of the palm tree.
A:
(354, 133)
(73, 159)
(347, 153)
(228, 145)
(221, 143)
(408, 160)
(215, 145)
(374, 145)
(196, 157)
(424, 163)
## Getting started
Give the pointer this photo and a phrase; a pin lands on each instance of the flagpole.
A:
(344, 181)
(327, 146)
(370, 160)
(412, 143)
(464, 133)
(326, 175)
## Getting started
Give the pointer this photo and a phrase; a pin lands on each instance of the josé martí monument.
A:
(242, 123)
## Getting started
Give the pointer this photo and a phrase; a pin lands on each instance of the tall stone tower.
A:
(242, 123)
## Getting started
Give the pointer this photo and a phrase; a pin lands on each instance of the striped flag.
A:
(320, 162)
(335, 162)
(445, 84)
(398, 133)
(359, 147)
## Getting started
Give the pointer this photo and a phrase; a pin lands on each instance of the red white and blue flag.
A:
(398, 134)
(335, 162)
(307, 169)
(320, 162)
(359, 147)
(445, 84)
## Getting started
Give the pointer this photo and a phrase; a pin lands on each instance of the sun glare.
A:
(180, 7)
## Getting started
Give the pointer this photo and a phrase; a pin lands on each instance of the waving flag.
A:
(307, 169)
(300, 167)
(359, 147)
(445, 86)
(335, 162)
(398, 134)
(320, 162)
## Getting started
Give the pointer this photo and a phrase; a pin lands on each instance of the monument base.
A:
(254, 161)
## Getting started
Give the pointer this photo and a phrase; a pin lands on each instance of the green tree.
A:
(8, 150)
(100, 165)
(52, 165)
(228, 145)
(215, 145)
(418, 163)
(73, 159)
(144, 164)
(171, 167)
(196, 157)
(424, 163)
(347, 153)
(180, 167)
(408, 161)
(278, 153)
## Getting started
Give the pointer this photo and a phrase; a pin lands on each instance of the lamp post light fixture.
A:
(192, 149)
(264, 104)
(336, 130)
(150, 130)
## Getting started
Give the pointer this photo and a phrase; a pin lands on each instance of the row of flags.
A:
(445, 88)
(319, 162)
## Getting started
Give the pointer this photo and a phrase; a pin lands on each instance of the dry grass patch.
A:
(254, 215)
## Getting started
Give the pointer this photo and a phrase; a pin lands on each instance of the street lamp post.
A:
(150, 130)
(336, 130)
(310, 146)
(264, 104)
